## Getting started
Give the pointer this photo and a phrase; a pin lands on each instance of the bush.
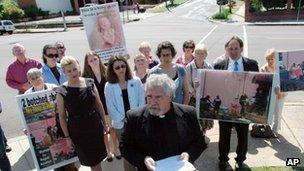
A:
(295, 3)
(280, 3)
(33, 12)
(267, 4)
(223, 15)
(9, 10)
(255, 6)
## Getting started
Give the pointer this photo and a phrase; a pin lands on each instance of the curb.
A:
(275, 24)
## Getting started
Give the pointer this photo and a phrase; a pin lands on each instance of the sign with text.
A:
(104, 30)
(242, 97)
(48, 146)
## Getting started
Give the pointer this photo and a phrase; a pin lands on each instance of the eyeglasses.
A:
(60, 47)
(52, 55)
(189, 47)
(35, 78)
(236, 48)
(121, 66)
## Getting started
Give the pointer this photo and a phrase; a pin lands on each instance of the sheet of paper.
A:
(173, 164)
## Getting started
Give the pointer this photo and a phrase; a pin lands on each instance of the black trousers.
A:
(224, 142)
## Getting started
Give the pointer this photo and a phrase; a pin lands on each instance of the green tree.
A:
(10, 10)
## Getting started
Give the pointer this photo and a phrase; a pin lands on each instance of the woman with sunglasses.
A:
(141, 69)
(187, 57)
(123, 92)
(52, 72)
(95, 69)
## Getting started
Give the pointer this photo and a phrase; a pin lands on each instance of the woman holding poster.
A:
(83, 124)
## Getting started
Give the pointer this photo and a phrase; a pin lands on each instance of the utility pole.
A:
(299, 9)
(64, 21)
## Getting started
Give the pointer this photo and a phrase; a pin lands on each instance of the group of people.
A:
(144, 115)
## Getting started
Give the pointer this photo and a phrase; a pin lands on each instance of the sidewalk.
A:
(261, 152)
(56, 24)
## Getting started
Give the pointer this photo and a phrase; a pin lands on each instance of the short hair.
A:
(238, 40)
(201, 48)
(165, 45)
(33, 72)
(45, 48)
(188, 42)
(140, 55)
(111, 76)
(59, 43)
(87, 70)
(17, 45)
(163, 81)
(270, 53)
(143, 45)
(68, 60)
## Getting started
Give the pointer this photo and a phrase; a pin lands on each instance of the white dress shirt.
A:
(240, 64)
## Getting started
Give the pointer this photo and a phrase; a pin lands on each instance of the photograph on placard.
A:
(243, 97)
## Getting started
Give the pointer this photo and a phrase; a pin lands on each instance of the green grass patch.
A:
(221, 16)
(277, 168)
(162, 7)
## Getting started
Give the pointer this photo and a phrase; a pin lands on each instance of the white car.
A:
(6, 26)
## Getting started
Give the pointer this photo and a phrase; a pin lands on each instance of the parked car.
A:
(6, 26)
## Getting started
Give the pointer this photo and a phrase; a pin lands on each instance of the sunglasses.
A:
(121, 66)
(52, 55)
(60, 47)
(189, 47)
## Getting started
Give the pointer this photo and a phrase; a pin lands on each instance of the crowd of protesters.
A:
(110, 111)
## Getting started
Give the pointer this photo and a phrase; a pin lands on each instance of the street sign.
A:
(222, 2)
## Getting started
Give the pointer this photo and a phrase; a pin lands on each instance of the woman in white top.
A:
(122, 91)
(141, 69)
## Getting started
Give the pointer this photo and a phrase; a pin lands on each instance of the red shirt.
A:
(16, 73)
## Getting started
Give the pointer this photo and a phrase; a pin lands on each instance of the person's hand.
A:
(150, 163)
(184, 156)
(60, 90)
(26, 86)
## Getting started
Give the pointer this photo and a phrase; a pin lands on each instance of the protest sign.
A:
(241, 97)
(48, 146)
(290, 65)
(104, 30)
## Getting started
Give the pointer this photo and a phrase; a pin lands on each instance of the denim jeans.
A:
(4, 162)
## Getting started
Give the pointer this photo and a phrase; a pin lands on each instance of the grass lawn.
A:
(277, 168)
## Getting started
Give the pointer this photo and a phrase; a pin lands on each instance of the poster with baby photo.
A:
(290, 65)
(48, 146)
(241, 97)
(104, 30)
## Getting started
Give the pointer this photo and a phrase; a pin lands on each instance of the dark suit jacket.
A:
(135, 142)
(249, 65)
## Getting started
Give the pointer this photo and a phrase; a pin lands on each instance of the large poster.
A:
(104, 30)
(48, 146)
(243, 97)
(290, 65)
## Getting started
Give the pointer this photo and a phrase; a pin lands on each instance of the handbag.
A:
(261, 131)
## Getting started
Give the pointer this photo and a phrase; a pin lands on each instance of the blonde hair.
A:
(33, 72)
(140, 55)
(143, 45)
(270, 53)
(68, 60)
(201, 48)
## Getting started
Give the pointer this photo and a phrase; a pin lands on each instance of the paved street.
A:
(188, 21)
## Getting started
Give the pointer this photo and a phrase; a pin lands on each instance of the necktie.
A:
(236, 66)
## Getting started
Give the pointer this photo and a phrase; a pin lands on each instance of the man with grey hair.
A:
(16, 73)
(161, 128)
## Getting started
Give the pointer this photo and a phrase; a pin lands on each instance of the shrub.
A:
(223, 15)
(267, 4)
(280, 3)
(255, 6)
(10, 10)
(33, 12)
(295, 3)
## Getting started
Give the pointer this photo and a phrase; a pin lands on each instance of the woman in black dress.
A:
(79, 110)
(95, 69)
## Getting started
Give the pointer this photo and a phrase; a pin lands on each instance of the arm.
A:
(186, 90)
(141, 93)
(188, 73)
(198, 144)
(100, 107)
(128, 144)
(62, 115)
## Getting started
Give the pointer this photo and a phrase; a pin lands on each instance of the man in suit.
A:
(161, 128)
(236, 62)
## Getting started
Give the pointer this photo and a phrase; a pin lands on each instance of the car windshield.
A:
(7, 23)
